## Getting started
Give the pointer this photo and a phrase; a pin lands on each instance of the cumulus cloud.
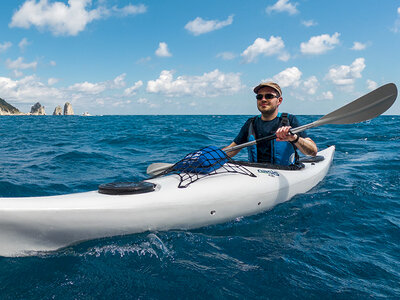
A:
(210, 84)
(52, 81)
(200, 26)
(27, 89)
(327, 95)
(371, 85)
(288, 77)
(274, 46)
(346, 75)
(283, 6)
(132, 90)
(4, 46)
(310, 85)
(358, 46)
(162, 50)
(309, 23)
(226, 55)
(64, 19)
(18, 64)
(88, 88)
(320, 44)
(119, 81)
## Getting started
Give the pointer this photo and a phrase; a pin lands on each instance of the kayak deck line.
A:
(32, 224)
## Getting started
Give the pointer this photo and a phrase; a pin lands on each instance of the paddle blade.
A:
(157, 168)
(364, 108)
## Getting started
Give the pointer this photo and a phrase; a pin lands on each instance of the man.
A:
(281, 151)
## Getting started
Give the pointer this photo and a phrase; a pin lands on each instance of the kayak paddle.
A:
(364, 108)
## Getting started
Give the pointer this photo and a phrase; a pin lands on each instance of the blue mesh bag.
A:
(203, 161)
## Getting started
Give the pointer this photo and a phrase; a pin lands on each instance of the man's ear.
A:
(280, 99)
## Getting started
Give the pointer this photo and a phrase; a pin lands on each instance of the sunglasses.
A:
(267, 96)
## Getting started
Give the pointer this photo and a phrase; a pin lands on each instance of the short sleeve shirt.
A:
(262, 129)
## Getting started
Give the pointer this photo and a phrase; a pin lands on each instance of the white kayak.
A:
(32, 224)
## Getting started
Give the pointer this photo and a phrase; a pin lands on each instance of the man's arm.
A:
(305, 145)
(232, 153)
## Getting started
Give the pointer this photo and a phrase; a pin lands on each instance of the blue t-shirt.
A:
(262, 129)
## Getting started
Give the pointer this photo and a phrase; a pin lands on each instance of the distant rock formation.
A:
(8, 109)
(38, 110)
(68, 111)
(57, 111)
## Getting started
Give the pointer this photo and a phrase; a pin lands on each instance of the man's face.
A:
(268, 106)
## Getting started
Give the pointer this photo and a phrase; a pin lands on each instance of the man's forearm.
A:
(307, 146)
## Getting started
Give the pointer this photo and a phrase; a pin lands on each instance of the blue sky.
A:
(195, 57)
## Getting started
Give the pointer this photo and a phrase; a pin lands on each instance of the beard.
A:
(268, 111)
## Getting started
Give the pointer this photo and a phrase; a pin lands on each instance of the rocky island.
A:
(36, 110)
(8, 109)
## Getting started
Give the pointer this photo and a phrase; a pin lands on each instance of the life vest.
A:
(282, 153)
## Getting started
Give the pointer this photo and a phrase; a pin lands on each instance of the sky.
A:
(195, 57)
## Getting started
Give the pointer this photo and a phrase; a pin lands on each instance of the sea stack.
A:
(68, 111)
(57, 111)
(8, 109)
(37, 110)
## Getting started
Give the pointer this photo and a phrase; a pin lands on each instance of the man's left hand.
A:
(283, 134)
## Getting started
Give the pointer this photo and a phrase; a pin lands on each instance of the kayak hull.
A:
(32, 224)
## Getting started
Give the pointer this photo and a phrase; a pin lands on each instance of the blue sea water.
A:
(340, 240)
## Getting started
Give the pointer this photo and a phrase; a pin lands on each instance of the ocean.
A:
(340, 240)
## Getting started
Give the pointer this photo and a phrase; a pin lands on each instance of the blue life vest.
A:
(282, 153)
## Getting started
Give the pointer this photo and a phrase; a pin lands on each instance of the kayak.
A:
(33, 224)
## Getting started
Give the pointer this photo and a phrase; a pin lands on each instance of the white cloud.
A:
(132, 90)
(371, 85)
(143, 101)
(52, 81)
(199, 26)
(288, 77)
(309, 23)
(310, 85)
(143, 60)
(346, 75)
(88, 88)
(17, 73)
(358, 46)
(283, 6)
(210, 84)
(162, 50)
(274, 46)
(53, 63)
(320, 44)
(27, 90)
(396, 26)
(64, 19)
(130, 10)
(23, 43)
(226, 55)
(119, 81)
(327, 95)
(18, 64)
(4, 46)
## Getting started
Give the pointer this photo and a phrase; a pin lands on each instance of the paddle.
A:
(364, 108)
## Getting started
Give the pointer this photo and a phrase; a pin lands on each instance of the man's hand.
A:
(306, 146)
(283, 134)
